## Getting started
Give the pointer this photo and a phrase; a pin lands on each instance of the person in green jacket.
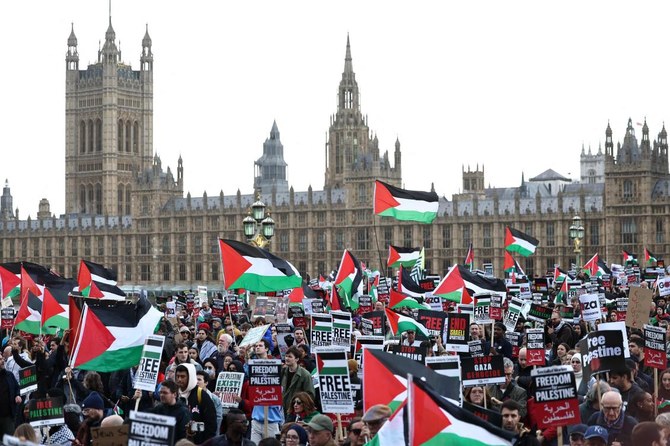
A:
(294, 379)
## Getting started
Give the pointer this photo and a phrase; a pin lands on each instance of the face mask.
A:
(210, 372)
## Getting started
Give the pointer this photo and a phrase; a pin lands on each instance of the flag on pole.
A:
(649, 258)
(398, 300)
(560, 275)
(408, 205)
(417, 269)
(628, 256)
(470, 258)
(407, 284)
(400, 324)
(255, 269)
(348, 281)
(517, 241)
(98, 282)
(55, 305)
(400, 255)
(562, 296)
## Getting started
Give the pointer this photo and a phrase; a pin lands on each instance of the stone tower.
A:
(270, 169)
(352, 154)
(109, 127)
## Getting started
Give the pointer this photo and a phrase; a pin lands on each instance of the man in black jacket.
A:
(200, 405)
(171, 406)
(9, 399)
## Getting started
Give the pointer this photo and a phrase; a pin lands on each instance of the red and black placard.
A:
(378, 321)
(458, 332)
(535, 347)
(654, 347)
(555, 397)
(265, 382)
(476, 371)
(434, 321)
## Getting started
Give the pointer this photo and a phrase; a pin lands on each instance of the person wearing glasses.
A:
(613, 418)
(236, 428)
(294, 435)
(374, 419)
(171, 406)
(508, 390)
(302, 408)
(354, 437)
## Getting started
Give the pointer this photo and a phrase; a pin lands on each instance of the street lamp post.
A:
(258, 229)
(576, 233)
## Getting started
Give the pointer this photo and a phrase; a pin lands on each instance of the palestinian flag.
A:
(470, 259)
(432, 421)
(560, 275)
(603, 268)
(517, 241)
(112, 334)
(55, 304)
(399, 300)
(322, 322)
(407, 285)
(392, 370)
(649, 258)
(452, 287)
(98, 282)
(591, 267)
(349, 279)
(400, 324)
(373, 342)
(10, 280)
(391, 201)
(562, 296)
(332, 363)
(628, 257)
(29, 316)
(509, 264)
(255, 269)
(399, 255)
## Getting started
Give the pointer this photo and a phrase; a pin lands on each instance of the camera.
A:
(197, 426)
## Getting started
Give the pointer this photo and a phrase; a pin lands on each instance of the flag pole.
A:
(379, 252)
(410, 409)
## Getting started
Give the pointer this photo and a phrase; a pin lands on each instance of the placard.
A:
(495, 310)
(45, 412)
(621, 327)
(378, 319)
(322, 331)
(281, 310)
(218, 308)
(229, 387)
(555, 394)
(297, 312)
(341, 329)
(150, 429)
(284, 333)
(415, 353)
(476, 371)
(476, 348)
(147, 372)
(334, 383)
(457, 332)
(450, 367)
(590, 305)
(663, 285)
(516, 339)
(365, 303)
(535, 347)
(513, 313)
(639, 302)
(254, 335)
(434, 321)
(28, 380)
(654, 347)
(265, 382)
(190, 301)
(7, 315)
(435, 302)
(605, 351)
(110, 436)
(367, 327)
(317, 306)
(539, 313)
(481, 309)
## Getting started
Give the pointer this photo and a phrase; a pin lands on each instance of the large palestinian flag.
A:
(348, 281)
(407, 285)
(391, 201)
(55, 302)
(10, 277)
(399, 300)
(255, 269)
(98, 282)
(29, 316)
(427, 419)
(399, 255)
(400, 324)
(460, 284)
(391, 370)
(517, 241)
(112, 334)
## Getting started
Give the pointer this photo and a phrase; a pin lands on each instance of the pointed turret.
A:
(110, 53)
(645, 145)
(72, 40)
(609, 143)
(270, 169)
(6, 203)
(72, 56)
(348, 66)
(147, 58)
(348, 91)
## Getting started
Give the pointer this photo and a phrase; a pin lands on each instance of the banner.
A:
(150, 429)
(539, 313)
(605, 352)
(254, 335)
(341, 336)
(535, 347)
(481, 309)
(654, 347)
(147, 372)
(639, 302)
(45, 412)
(482, 370)
(555, 394)
(7, 315)
(591, 307)
(229, 388)
(417, 354)
(434, 321)
(265, 382)
(378, 319)
(322, 331)
(28, 380)
(458, 325)
(334, 383)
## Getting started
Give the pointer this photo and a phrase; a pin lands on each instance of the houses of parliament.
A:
(124, 209)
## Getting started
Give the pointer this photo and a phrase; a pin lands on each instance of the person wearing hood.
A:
(199, 403)
(582, 386)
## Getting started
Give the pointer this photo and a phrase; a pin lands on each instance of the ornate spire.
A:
(348, 66)
(72, 40)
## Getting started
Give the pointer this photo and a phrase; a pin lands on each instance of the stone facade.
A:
(125, 211)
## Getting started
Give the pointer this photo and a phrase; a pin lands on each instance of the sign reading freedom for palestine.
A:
(265, 382)
(555, 394)
(150, 429)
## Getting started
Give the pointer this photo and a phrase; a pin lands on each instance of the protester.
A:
(511, 421)
(199, 404)
(295, 435)
(275, 414)
(294, 379)
(236, 428)
(9, 399)
(320, 431)
(641, 407)
(613, 418)
(591, 402)
(508, 390)
(204, 343)
(302, 408)
(202, 379)
(25, 432)
(596, 436)
(374, 418)
(475, 395)
(649, 433)
(92, 408)
(501, 346)
(576, 433)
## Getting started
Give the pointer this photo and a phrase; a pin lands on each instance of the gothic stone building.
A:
(125, 211)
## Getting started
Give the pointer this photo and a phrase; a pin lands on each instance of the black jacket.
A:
(181, 414)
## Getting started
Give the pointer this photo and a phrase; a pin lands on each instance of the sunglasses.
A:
(356, 431)
(297, 402)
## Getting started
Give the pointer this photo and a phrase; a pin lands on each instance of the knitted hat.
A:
(93, 401)
(302, 434)
(204, 326)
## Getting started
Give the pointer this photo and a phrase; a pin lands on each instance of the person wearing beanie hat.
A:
(92, 408)
(295, 436)
(501, 346)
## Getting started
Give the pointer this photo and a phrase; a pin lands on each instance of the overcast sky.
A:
(515, 86)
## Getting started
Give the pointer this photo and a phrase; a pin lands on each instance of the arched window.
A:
(98, 135)
(119, 200)
(82, 137)
(91, 138)
(628, 189)
(127, 202)
(98, 199)
(136, 137)
(90, 199)
(128, 134)
(145, 205)
(119, 136)
(592, 176)
(82, 198)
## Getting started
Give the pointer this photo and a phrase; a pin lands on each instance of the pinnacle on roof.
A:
(274, 133)
(146, 41)
(608, 131)
(72, 40)
(110, 35)
(348, 66)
